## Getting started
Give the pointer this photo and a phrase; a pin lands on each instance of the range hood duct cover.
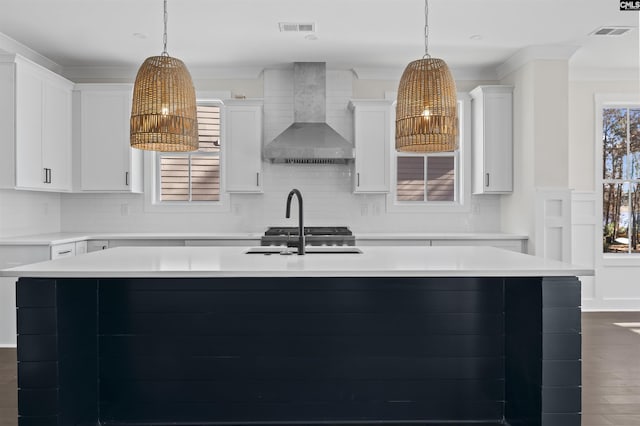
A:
(309, 139)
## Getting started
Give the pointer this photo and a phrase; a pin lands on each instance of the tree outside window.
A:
(621, 180)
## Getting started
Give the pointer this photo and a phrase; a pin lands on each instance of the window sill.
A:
(612, 260)
(222, 206)
(433, 207)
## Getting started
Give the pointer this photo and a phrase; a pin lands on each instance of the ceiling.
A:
(373, 34)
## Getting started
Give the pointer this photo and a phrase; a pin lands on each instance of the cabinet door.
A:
(492, 116)
(372, 132)
(498, 162)
(242, 148)
(56, 136)
(105, 149)
(29, 115)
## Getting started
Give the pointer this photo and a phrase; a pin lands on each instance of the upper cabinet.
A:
(107, 163)
(372, 135)
(36, 105)
(243, 145)
(492, 139)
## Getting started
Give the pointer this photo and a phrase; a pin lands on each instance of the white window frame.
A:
(462, 164)
(610, 100)
(152, 168)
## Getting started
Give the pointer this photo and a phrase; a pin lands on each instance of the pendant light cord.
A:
(426, 30)
(164, 36)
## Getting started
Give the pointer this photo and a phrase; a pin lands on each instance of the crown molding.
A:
(393, 73)
(9, 45)
(532, 53)
(604, 74)
(128, 73)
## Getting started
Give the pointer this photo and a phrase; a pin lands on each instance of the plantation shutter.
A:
(195, 176)
(440, 179)
(410, 179)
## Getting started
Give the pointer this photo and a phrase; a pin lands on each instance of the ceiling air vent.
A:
(297, 27)
(610, 31)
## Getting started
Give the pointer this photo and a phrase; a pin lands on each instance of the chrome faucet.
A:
(301, 239)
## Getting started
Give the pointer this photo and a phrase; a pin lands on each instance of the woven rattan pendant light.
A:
(426, 112)
(163, 112)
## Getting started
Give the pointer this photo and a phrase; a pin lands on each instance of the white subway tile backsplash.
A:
(326, 188)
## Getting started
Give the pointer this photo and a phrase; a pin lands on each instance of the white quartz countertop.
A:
(440, 236)
(69, 237)
(234, 262)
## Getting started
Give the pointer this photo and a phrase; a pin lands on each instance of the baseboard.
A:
(8, 346)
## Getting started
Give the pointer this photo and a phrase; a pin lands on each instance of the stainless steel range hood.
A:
(309, 139)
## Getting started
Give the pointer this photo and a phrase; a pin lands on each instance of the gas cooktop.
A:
(315, 236)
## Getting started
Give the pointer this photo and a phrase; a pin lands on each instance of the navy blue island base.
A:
(299, 351)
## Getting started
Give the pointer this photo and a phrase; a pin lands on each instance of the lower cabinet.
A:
(222, 243)
(513, 245)
(392, 242)
(517, 245)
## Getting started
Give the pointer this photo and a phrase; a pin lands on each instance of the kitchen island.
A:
(212, 335)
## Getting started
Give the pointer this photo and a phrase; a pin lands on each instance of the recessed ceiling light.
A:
(310, 37)
(476, 37)
(141, 36)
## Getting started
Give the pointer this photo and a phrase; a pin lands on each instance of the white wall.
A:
(327, 189)
(518, 208)
(22, 212)
(28, 212)
(614, 286)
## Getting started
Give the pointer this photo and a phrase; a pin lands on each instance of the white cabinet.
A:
(97, 245)
(242, 145)
(36, 125)
(513, 245)
(372, 135)
(68, 249)
(219, 242)
(59, 251)
(107, 161)
(492, 139)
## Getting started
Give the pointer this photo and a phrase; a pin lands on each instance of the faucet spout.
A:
(301, 238)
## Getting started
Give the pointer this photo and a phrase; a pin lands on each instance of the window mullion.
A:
(190, 180)
(426, 183)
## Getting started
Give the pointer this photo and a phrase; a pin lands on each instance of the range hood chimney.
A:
(309, 139)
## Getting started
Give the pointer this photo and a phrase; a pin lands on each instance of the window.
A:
(432, 181)
(621, 179)
(429, 177)
(194, 176)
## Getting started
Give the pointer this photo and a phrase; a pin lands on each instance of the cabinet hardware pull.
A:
(64, 252)
(45, 175)
(487, 180)
(358, 184)
(50, 175)
(126, 178)
(257, 178)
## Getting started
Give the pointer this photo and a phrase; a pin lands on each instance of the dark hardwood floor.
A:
(610, 372)
(8, 388)
(611, 368)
